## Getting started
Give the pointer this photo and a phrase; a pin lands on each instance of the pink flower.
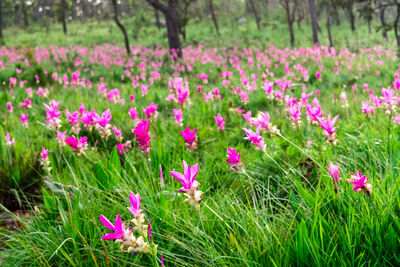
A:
(52, 115)
(142, 135)
(367, 109)
(123, 147)
(10, 107)
(178, 116)
(234, 158)
(77, 145)
(189, 185)
(9, 141)
(103, 123)
(360, 183)
(118, 133)
(118, 227)
(220, 122)
(318, 75)
(396, 119)
(255, 138)
(135, 204)
(190, 138)
(44, 153)
(314, 113)
(151, 111)
(61, 136)
(329, 126)
(334, 172)
(145, 89)
(26, 104)
(24, 119)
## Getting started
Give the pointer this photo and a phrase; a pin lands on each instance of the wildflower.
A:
(190, 138)
(255, 138)
(9, 141)
(124, 147)
(234, 159)
(138, 221)
(52, 115)
(61, 136)
(118, 134)
(367, 109)
(262, 121)
(24, 120)
(44, 161)
(396, 119)
(360, 183)
(88, 119)
(314, 113)
(161, 177)
(77, 145)
(295, 115)
(142, 136)
(220, 122)
(10, 107)
(74, 119)
(389, 100)
(151, 111)
(178, 116)
(103, 123)
(334, 172)
(343, 97)
(189, 185)
(329, 129)
(134, 116)
(26, 104)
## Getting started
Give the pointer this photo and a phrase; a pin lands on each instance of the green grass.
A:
(275, 213)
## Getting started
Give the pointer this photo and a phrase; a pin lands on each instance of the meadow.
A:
(291, 156)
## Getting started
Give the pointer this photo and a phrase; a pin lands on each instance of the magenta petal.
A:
(179, 176)
(193, 172)
(106, 222)
(111, 236)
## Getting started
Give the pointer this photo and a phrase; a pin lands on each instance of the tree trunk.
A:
(157, 16)
(16, 13)
(314, 23)
(396, 28)
(1, 21)
(171, 18)
(63, 18)
(255, 13)
(25, 14)
(382, 17)
(328, 27)
(122, 28)
(214, 18)
(349, 8)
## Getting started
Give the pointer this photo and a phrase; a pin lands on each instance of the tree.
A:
(171, 17)
(382, 18)
(119, 24)
(25, 14)
(255, 13)
(157, 17)
(314, 22)
(348, 5)
(62, 16)
(290, 8)
(1, 20)
(213, 17)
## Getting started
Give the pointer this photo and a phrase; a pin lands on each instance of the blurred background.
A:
(338, 23)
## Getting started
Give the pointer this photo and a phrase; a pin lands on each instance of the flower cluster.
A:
(143, 242)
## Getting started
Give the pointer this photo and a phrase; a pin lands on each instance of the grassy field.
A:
(280, 209)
